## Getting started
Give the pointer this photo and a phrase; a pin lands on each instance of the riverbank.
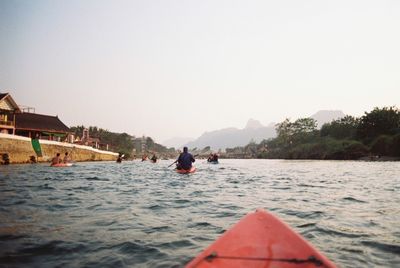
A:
(19, 150)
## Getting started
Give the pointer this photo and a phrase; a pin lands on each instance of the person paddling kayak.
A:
(213, 158)
(56, 160)
(154, 158)
(185, 160)
(119, 159)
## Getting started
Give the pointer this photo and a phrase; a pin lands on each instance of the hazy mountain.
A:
(177, 142)
(254, 124)
(232, 137)
(327, 116)
(254, 131)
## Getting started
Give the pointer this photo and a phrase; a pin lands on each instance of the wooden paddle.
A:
(173, 163)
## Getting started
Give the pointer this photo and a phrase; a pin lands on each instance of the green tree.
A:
(396, 145)
(301, 130)
(304, 125)
(284, 131)
(385, 121)
(382, 145)
(304, 129)
(343, 128)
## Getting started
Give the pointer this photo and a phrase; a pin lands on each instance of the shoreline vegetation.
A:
(130, 146)
(375, 136)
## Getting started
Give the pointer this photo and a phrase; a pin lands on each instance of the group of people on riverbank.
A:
(57, 159)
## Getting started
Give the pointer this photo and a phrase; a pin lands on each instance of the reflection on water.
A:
(146, 215)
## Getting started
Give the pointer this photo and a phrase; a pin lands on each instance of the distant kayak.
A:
(62, 165)
(186, 171)
(260, 239)
(213, 162)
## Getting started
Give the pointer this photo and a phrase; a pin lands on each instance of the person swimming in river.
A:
(185, 160)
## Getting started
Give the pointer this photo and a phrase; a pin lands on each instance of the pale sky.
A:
(178, 68)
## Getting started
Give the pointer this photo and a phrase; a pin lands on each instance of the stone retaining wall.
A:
(19, 150)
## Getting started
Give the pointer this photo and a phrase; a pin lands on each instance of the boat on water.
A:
(186, 171)
(260, 239)
(213, 159)
(62, 165)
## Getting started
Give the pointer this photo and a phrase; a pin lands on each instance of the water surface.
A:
(136, 214)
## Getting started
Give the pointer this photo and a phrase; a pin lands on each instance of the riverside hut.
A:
(8, 108)
(40, 126)
(15, 120)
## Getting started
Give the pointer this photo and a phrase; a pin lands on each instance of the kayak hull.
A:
(62, 165)
(186, 171)
(260, 239)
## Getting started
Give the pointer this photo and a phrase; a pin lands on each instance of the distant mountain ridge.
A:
(253, 131)
(327, 116)
(233, 137)
(253, 124)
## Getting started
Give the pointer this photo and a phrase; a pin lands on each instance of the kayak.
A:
(186, 171)
(62, 165)
(260, 239)
(213, 162)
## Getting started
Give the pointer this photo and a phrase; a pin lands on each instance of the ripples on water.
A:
(145, 215)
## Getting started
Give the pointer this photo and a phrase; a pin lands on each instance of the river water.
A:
(139, 214)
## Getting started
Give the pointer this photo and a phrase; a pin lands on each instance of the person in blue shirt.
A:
(185, 160)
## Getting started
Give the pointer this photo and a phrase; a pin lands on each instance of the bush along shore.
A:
(373, 136)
